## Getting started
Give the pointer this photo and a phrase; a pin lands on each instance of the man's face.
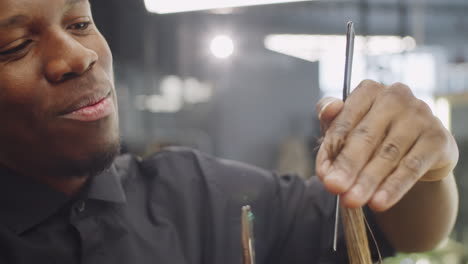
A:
(58, 111)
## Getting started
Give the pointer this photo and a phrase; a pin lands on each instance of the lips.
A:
(90, 108)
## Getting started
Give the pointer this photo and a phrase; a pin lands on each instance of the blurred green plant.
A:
(420, 258)
(450, 252)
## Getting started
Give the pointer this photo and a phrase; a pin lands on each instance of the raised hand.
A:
(379, 144)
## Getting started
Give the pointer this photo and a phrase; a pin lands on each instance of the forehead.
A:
(29, 7)
(19, 13)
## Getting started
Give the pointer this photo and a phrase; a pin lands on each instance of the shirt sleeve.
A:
(309, 212)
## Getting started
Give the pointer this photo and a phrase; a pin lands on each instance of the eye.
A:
(16, 49)
(80, 26)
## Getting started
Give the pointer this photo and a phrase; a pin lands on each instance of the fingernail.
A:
(323, 108)
(335, 178)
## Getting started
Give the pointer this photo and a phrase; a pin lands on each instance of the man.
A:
(64, 198)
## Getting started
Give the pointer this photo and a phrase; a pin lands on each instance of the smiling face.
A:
(58, 108)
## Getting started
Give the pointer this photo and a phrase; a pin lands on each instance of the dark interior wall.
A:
(121, 23)
(264, 102)
(137, 37)
(258, 95)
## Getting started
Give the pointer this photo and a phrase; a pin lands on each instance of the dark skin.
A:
(52, 55)
(383, 147)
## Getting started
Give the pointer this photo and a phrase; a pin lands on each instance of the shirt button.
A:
(80, 207)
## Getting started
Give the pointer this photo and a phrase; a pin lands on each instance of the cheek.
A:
(19, 114)
(21, 96)
(20, 80)
(18, 92)
(105, 57)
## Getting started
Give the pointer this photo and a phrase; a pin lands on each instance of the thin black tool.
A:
(349, 59)
(346, 90)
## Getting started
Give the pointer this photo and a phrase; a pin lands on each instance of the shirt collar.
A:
(25, 202)
(107, 187)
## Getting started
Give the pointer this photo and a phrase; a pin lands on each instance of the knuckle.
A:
(398, 86)
(399, 91)
(367, 91)
(390, 152)
(341, 128)
(413, 165)
(365, 133)
(368, 83)
(422, 108)
(369, 86)
(397, 96)
(440, 137)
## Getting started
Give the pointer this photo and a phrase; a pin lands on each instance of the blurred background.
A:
(239, 79)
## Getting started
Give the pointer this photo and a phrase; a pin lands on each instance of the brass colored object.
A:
(248, 249)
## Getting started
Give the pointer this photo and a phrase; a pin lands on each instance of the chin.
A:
(90, 164)
(87, 152)
(98, 147)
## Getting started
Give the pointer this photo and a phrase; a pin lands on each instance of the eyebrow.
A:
(16, 20)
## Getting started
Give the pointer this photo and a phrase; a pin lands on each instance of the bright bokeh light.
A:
(174, 94)
(387, 59)
(423, 261)
(407, 261)
(312, 47)
(175, 6)
(222, 46)
(442, 111)
(384, 58)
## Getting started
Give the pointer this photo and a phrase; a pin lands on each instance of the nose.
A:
(67, 58)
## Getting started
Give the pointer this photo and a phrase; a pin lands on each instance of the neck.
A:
(70, 186)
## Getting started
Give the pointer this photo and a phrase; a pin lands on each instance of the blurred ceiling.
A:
(432, 22)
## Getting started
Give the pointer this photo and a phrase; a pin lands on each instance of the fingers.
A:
(327, 110)
(448, 152)
(411, 168)
(361, 143)
(383, 162)
(365, 138)
(379, 144)
(356, 107)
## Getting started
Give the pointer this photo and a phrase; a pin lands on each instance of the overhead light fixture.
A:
(313, 47)
(222, 46)
(177, 6)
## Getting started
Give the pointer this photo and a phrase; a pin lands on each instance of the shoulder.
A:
(186, 169)
(183, 166)
(189, 164)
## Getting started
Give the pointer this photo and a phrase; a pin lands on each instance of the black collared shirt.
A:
(177, 207)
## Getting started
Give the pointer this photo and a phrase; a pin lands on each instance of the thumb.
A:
(328, 109)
